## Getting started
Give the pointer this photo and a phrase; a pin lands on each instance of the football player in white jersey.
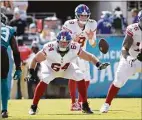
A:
(130, 61)
(56, 61)
(82, 29)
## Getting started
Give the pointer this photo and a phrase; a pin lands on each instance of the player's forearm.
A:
(33, 63)
(128, 41)
(88, 57)
(92, 42)
(17, 60)
(125, 53)
(39, 57)
(93, 59)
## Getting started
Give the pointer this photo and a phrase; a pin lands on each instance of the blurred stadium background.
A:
(37, 22)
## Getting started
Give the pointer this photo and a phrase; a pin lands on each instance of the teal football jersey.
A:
(7, 33)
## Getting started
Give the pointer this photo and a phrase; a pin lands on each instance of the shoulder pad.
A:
(132, 28)
(68, 25)
(50, 46)
(72, 21)
(91, 20)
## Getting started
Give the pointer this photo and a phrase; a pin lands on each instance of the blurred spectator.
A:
(6, 7)
(29, 20)
(23, 6)
(33, 35)
(32, 84)
(25, 52)
(47, 35)
(32, 28)
(39, 23)
(119, 22)
(18, 23)
(134, 13)
(53, 23)
(104, 24)
(68, 18)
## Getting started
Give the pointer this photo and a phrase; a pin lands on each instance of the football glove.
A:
(31, 76)
(17, 75)
(102, 66)
(139, 57)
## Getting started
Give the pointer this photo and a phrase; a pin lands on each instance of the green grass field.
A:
(122, 108)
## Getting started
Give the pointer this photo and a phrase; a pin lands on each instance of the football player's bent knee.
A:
(118, 83)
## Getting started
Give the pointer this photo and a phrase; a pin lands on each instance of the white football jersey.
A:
(73, 27)
(135, 32)
(54, 59)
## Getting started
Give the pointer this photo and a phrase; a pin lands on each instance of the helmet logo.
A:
(84, 12)
(63, 38)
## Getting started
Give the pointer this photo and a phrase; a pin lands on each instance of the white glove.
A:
(131, 60)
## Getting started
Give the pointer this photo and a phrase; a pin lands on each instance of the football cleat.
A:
(4, 114)
(105, 107)
(75, 107)
(86, 109)
(33, 110)
(79, 104)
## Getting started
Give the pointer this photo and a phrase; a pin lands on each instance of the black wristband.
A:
(17, 60)
(18, 67)
(98, 64)
(32, 71)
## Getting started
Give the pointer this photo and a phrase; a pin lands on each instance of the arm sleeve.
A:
(94, 28)
(92, 42)
(67, 26)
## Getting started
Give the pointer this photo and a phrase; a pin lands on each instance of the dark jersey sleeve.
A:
(16, 53)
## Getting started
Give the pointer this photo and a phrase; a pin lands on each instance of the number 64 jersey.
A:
(57, 66)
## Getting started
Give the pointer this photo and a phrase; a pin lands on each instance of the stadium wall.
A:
(101, 80)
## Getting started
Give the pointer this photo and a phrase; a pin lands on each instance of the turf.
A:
(122, 108)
